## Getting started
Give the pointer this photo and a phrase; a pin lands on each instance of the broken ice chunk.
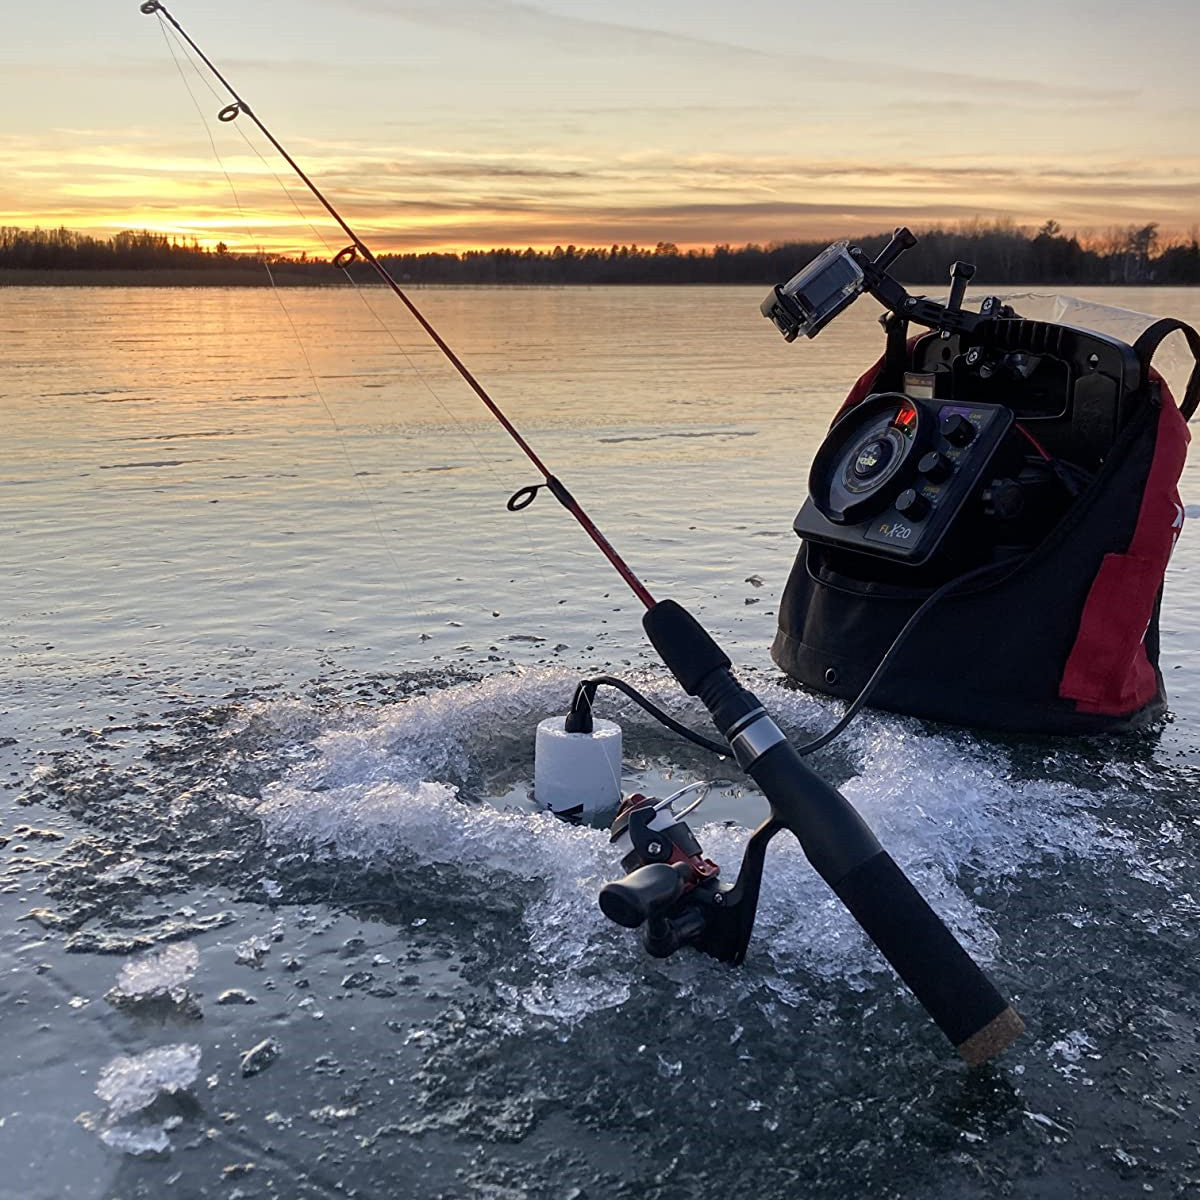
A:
(142, 1139)
(259, 1058)
(158, 979)
(159, 972)
(123, 870)
(252, 951)
(129, 1084)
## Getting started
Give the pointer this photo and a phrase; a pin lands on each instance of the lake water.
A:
(271, 655)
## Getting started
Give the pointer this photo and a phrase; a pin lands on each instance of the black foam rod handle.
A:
(839, 844)
(683, 644)
(893, 914)
(954, 991)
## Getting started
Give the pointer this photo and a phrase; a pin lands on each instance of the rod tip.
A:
(999, 1033)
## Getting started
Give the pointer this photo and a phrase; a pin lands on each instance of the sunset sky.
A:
(464, 123)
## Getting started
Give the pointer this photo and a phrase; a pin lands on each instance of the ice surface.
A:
(382, 785)
(123, 870)
(128, 1085)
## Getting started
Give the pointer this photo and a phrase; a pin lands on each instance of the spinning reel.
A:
(675, 894)
(672, 892)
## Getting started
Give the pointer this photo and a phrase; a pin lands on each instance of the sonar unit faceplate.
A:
(895, 471)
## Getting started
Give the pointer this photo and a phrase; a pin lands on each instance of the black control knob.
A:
(937, 468)
(911, 504)
(957, 430)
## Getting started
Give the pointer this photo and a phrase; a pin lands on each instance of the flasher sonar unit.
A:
(989, 464)
(896, 470)
(925, 464)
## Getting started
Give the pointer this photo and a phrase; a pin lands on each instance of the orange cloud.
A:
(417, 197)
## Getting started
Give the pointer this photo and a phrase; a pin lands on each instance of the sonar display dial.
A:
(859, 468)
(888, 480)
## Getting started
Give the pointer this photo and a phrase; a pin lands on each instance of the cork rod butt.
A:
(997, 1035)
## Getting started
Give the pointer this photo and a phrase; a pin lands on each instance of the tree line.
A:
(1004, 253)
(63, 250)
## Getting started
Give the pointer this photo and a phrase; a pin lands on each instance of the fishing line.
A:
(413, 602)
(357, 247)
(292, 324)
(462, 429)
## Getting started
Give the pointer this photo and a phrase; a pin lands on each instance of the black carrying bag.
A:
(1062, 640)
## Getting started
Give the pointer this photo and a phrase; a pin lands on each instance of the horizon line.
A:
(965, 227)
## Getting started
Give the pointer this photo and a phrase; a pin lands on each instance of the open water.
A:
(271, 656)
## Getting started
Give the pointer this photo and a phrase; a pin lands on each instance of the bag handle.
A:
(1147, 345)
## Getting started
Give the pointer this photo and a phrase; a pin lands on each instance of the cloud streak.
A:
(459, 123)
(510, 19)
(421, 199)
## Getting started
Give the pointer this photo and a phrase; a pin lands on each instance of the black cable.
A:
(586, 692)
(864, 695)
(579, 718)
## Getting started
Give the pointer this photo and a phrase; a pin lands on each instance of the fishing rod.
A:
(520, 499)
(671, 889)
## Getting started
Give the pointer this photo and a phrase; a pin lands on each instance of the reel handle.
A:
(644, 893)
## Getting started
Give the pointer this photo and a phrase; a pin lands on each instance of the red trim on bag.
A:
(1108, 671)
(865, 383)
(861, 389)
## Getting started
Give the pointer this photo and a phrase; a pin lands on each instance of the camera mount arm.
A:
(841, 273)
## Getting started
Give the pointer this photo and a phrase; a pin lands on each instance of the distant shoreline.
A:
(1004, 255)
(166, 277)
